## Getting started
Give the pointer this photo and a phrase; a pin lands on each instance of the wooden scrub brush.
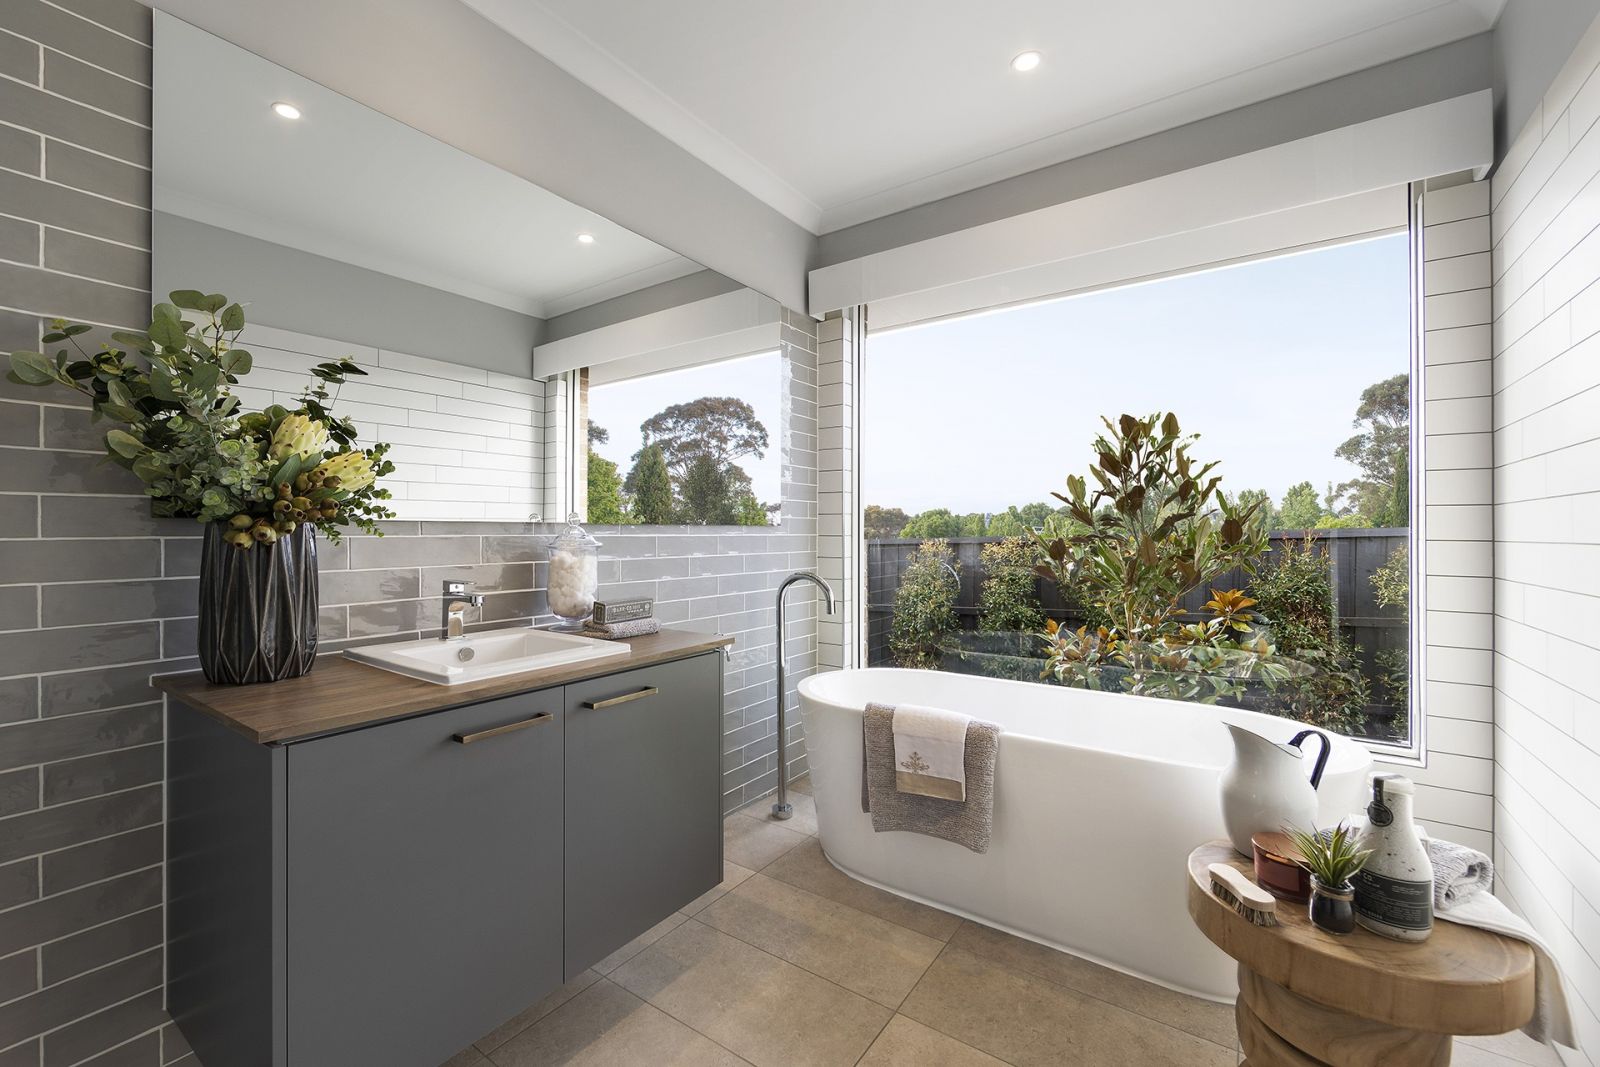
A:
(1229, 885)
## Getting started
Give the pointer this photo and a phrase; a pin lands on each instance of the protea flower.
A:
(298, 435)
(353, 470)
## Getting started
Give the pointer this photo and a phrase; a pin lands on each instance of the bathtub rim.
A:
(808, 686)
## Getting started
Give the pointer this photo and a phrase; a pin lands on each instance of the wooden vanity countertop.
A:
(340, 693)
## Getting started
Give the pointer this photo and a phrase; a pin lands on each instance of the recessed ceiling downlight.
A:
(285, 110)
(1026, 61)
(586, 238)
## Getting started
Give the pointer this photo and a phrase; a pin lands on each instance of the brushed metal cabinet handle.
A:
(647, 691)
(484, 735)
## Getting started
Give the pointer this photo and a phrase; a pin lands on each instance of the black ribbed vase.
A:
(258, 607)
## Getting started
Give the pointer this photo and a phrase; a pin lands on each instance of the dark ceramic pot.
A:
(258, 607)
(1333, 909)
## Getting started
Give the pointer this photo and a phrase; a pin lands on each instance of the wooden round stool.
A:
(1314, 999)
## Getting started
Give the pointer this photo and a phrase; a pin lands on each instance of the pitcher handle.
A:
(1322, 757)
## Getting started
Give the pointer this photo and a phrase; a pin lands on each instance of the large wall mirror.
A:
(525, 357)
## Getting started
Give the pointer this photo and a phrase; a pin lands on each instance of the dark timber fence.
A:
(1354, 555)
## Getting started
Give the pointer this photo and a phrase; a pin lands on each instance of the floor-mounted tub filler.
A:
(1099, 799)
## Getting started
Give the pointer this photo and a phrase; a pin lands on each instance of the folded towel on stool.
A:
(1459, 872)
(966, 823)
(1551, 1022)
(616, 631)
(930, 752)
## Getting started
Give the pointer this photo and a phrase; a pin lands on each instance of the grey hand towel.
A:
(1459, 873)
(967, 823)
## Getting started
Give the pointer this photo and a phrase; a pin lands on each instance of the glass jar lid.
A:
(574, 538)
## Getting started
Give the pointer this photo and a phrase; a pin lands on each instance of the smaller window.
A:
(697, 446)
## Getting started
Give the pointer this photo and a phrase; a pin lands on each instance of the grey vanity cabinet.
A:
(424, 881)
(644, 796)
(385, 895)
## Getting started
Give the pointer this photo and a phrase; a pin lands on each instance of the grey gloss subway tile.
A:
(19, 240)
(19, 424)
(56, 916)
(19, 699)
(31, 470)
(179, 637)
(115, 1032)
(59, 1004)
(19, 58)
(107, 772)
(94, 173)
(58, 292)
(69, 736)
(19, 607)
(359, 587)
(64, 559)
(94, 258)
(80, 603)
(102, 858)
(100, 89)
(75, 647)
(19, 975)
(60, 118)
(64, 825)
(19, 883)
(376, 552)
(367, 620)
(100, 945)
(78, 211)
(67, 33)
(111, 687)
(180, 556)
(127, 17)
(71, 428)
(20, 150)
(19, 790)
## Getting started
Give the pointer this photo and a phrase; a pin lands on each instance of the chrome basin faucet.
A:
(456, 602)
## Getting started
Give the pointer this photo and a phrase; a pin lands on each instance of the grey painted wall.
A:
(691, 287)
(296, 290)
(1425, 78)
(1531, 42)
(471, 85)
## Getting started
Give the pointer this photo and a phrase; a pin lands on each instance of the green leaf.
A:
(162, 386)
(118, 412)
(188, 299)
(124, 443)
(286, 473)
(236, 361)
(32, 368)
(52, 337)
(77, 328)
(119, 393)
(149, 467)
(233, 318)
(168, 332)
(203, 379)
(212, 303)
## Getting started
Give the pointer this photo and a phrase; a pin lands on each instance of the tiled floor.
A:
(789, 962)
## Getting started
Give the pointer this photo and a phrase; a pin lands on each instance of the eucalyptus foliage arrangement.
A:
(181, 431)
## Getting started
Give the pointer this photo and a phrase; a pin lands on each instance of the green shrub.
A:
(924, 607)
(1392, 585)
(1009, 596)
(1294, 594)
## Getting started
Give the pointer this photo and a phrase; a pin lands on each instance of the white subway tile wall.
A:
(1546, 719)
(1453, 789)
(839, 557)
(467, 443)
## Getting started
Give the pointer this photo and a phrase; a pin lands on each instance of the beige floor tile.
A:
(754, 843)
(1512, 1050)
(772, 1013)
(1027, 1020)
(524, 1019)
(1203, 1018)
(802, 821)
(801, 784)
(907, 1043)
(806, 867)
(467, 1057)
(606, 1026)
(861, 952)
(640, 943)
(732, 875)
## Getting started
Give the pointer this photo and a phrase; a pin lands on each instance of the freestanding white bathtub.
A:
(1099, 799)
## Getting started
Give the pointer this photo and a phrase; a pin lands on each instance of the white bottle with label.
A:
(1394, 891)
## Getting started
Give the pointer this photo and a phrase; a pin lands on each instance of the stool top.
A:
(1462, 980)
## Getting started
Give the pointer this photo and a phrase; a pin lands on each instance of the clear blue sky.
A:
(1266, 361)
(622, 406)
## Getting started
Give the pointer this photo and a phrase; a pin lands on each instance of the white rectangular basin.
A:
(491, 654)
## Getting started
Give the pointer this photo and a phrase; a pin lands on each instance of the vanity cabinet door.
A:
(644, 801)
(424, 882)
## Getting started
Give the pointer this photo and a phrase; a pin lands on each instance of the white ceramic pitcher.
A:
(1266, 786)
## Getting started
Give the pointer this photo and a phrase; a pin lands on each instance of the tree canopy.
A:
(650, 486)
(1383, 421)
(721, 428)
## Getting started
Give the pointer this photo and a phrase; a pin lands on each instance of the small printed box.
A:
(623, 610)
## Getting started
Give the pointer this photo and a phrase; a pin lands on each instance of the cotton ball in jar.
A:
(574, 581)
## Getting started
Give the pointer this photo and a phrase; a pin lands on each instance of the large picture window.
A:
(1231, 450)
(696, 446)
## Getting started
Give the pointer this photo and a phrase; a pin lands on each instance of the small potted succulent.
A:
(1332, 857)
(262, 482)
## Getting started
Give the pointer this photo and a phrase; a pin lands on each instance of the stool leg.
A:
(1278, 1027)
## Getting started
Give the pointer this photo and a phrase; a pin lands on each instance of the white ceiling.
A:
(838, 111)
(351, 184)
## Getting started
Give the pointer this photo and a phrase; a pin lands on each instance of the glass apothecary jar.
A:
(574, 575)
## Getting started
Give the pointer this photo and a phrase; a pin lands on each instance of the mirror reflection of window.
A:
(697, 446)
